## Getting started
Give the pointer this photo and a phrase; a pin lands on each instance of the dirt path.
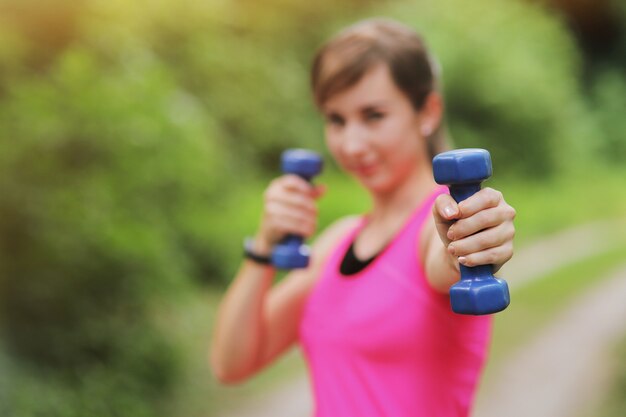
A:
(553, 252)
(554, 370)
(561, 373)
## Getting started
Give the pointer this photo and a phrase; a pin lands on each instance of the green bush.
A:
(136, 381)
(102, 174)
(608, 99)
(510, 77)
(136, 139)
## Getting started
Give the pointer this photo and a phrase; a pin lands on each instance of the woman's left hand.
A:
(478, 230)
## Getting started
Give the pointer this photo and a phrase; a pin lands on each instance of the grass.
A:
(534, 305)
(199, 394)
(613, 402)
(547, 207)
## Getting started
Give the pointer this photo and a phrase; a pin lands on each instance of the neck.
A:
(390, 210)
(402, 200)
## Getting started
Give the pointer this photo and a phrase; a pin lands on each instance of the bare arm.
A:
(255, 321)
(477, 231)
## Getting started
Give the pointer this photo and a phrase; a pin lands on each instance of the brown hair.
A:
(342, 61)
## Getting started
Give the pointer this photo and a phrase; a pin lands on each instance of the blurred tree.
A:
(47, 26)
(608, 97)
(135, 138)
(510, 77)
(102, 172)
(599, 27)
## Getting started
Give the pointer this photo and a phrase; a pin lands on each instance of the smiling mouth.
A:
(365, 170)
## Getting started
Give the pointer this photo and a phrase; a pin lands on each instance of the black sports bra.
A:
(351, 265)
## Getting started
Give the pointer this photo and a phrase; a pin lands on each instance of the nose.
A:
(355, 140)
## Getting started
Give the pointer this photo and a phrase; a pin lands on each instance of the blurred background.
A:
(136, 139)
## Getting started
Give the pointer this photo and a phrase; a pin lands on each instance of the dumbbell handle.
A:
(461, 192)
(292, 240)
(291, 252)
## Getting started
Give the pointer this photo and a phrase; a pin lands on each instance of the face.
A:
(373, 131)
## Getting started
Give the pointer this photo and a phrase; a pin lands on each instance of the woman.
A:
(372, 310)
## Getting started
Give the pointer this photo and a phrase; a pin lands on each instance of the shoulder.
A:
(428, 228)
(433, 255)
(329, 238)
(299, 282)
(426, 236)
(337, 230)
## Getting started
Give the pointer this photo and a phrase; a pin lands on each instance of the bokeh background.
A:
(136, 138)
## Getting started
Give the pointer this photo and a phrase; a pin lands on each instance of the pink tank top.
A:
(383, 343)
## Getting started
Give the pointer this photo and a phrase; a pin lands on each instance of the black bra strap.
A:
(351, 265)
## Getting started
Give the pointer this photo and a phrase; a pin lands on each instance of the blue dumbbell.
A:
(292, 252)
(478, 292)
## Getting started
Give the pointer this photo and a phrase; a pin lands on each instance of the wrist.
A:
(261, 246)
(257, 251)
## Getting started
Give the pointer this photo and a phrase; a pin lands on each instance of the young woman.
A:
(372, 311)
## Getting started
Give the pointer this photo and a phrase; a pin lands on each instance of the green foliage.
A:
(510, 81)
(103, 172)
(609, 104)
(613, 400)
(239, 59)
(134, 382)
(89, 198)
(538, 302)
(136, 139)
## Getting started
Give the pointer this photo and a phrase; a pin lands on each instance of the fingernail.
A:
(450, 234)
(462, 260)
(449, 211)
(451, 250)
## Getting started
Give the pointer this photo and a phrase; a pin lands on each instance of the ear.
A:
(431, 113)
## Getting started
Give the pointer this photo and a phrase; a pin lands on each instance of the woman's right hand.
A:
(289, 208)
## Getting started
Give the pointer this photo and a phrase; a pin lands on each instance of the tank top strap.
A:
(405, 236)
(343, 244)
(417, 219)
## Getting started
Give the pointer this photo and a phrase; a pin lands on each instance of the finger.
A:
(278, 209)
(445, 209)
(293, 201)
(483, 199)
(318, 191)
(486, 239)
(298, 228)
(294, 182)
(294, 226)
(492, 256)
(291, 190)
(482, 220)
(289, 221)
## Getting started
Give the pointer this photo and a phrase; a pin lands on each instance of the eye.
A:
(373, 116)
(334, 120)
